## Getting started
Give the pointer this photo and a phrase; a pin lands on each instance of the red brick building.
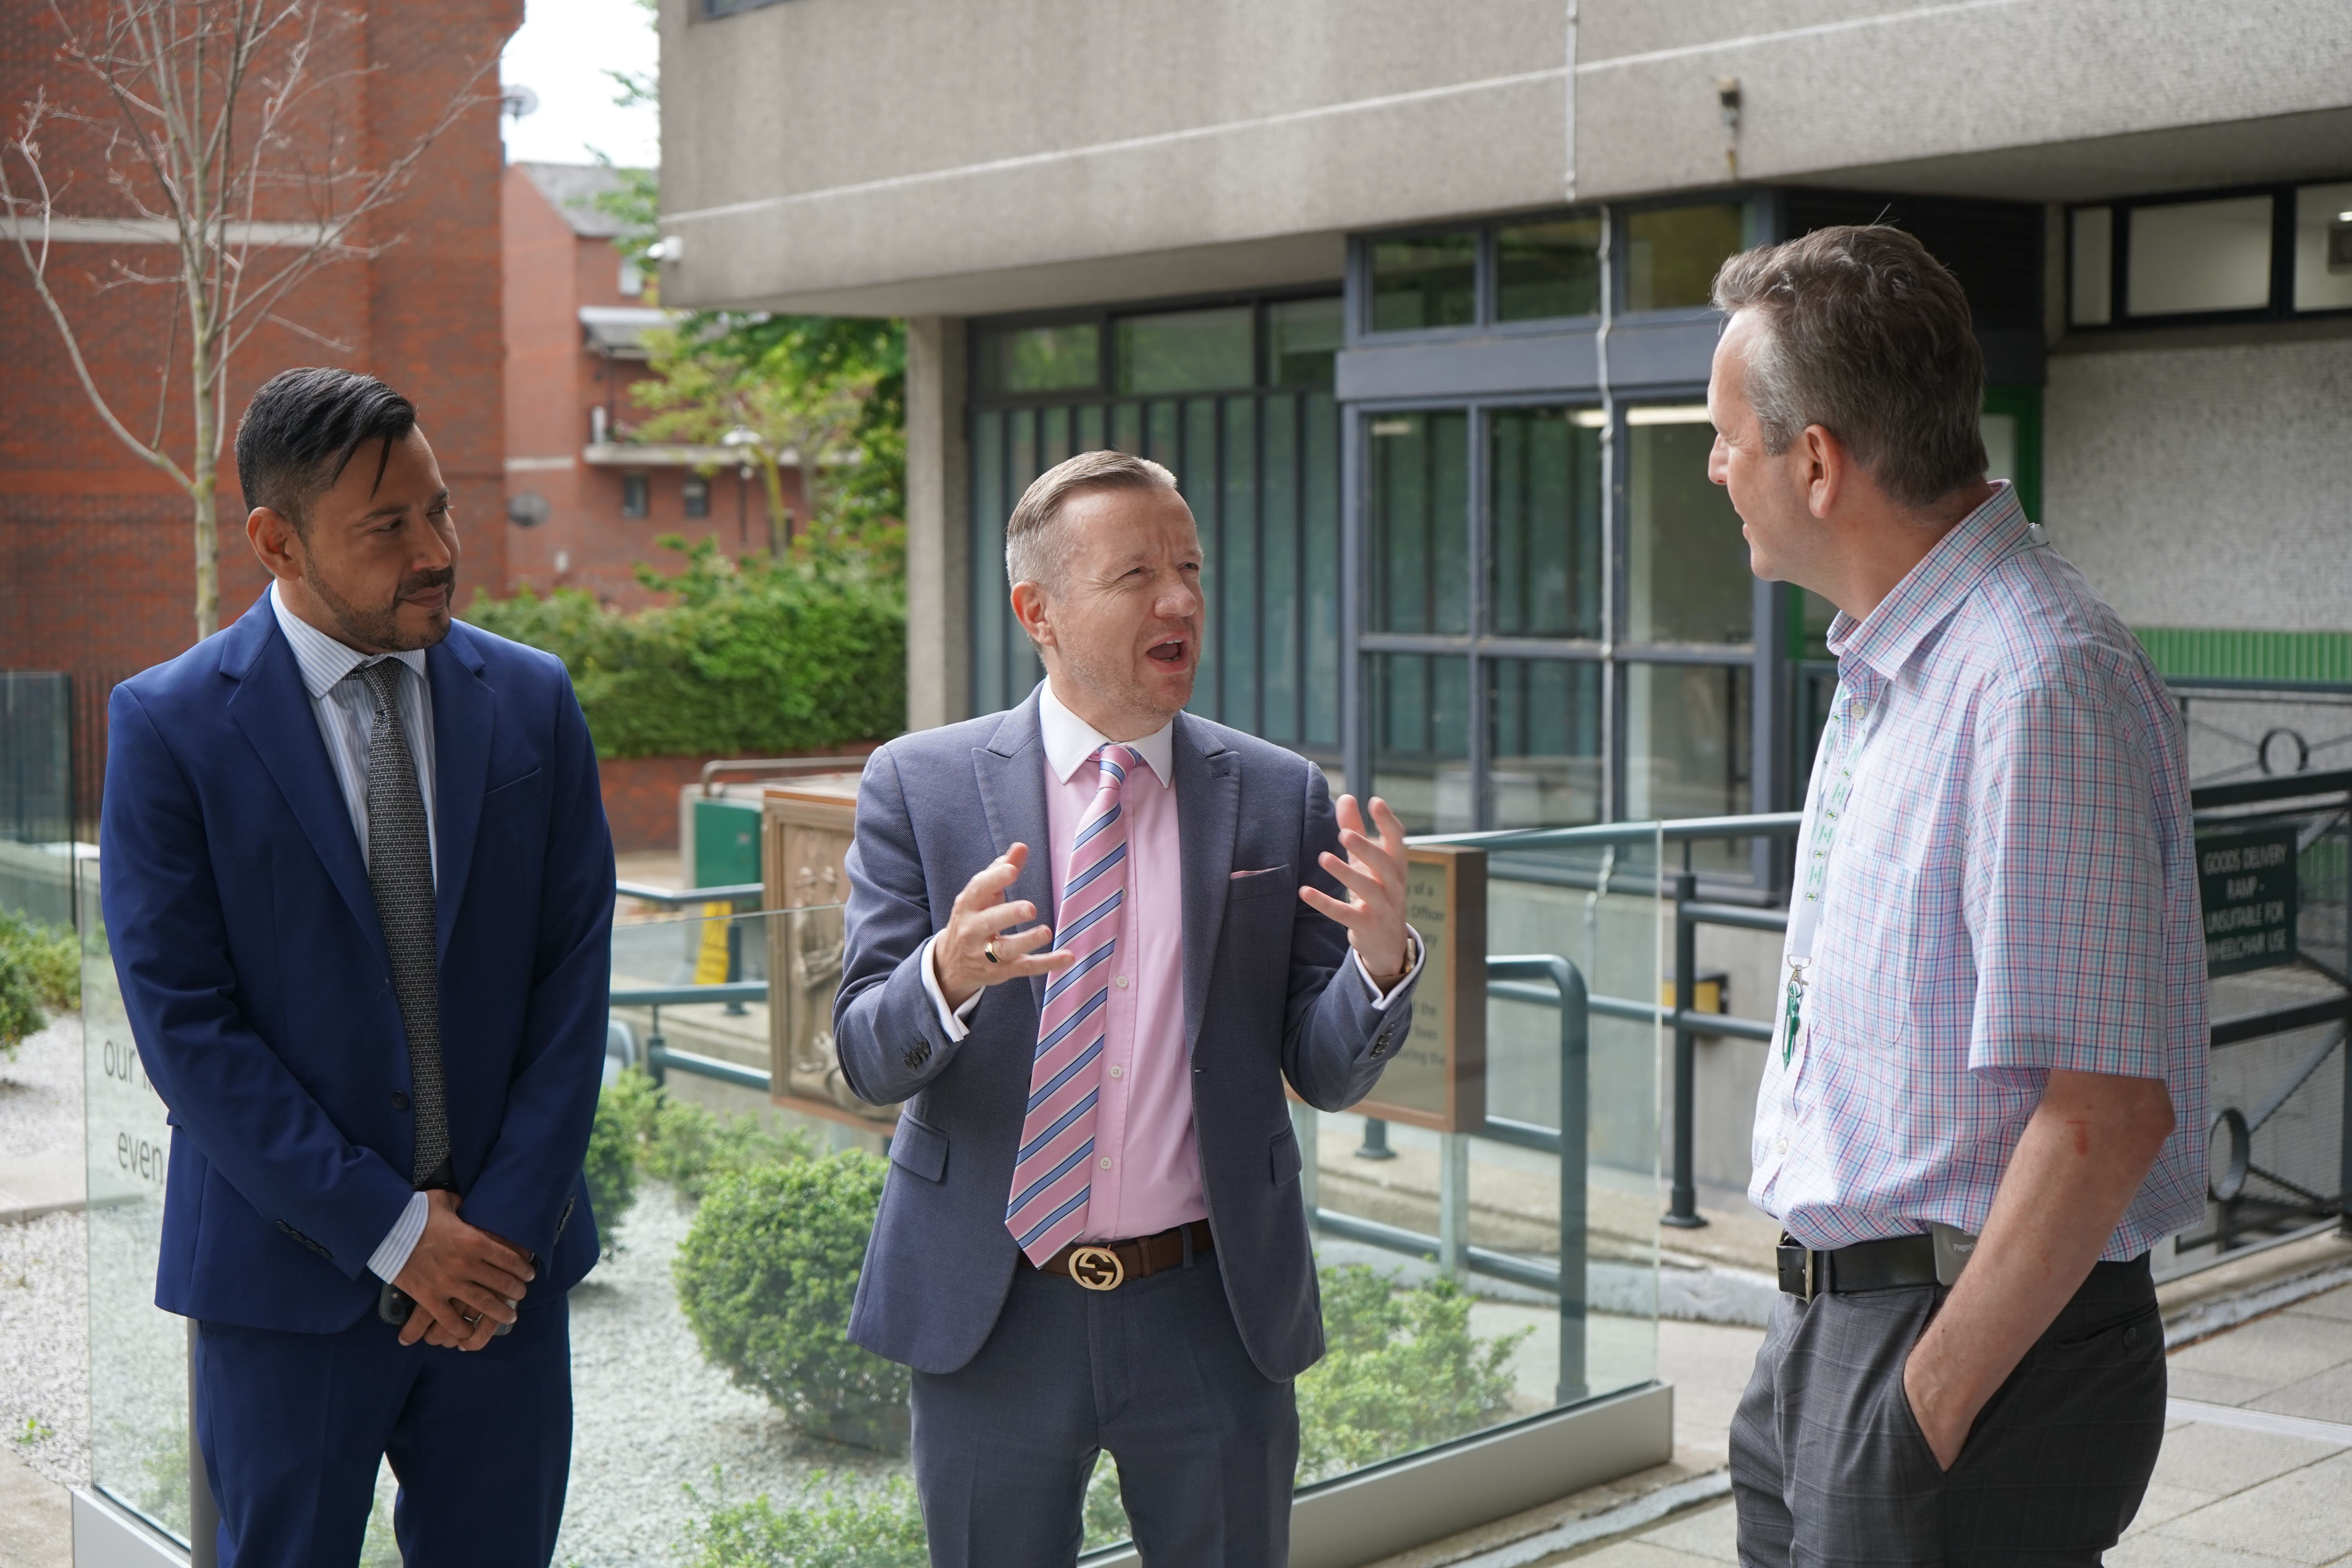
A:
(96, 574)
(585, 499)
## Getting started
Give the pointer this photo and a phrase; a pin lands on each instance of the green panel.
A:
(726, 843)
(2217, 653)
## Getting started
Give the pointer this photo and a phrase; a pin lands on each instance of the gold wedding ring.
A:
(990, 951)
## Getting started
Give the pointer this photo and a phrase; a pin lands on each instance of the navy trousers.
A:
(293, 1427)
(1155, 1372)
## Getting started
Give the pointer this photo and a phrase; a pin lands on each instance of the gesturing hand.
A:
(1374, 872)
(464, 1280)
(960, 953)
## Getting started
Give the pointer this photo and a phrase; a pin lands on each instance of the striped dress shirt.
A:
(2009, 889)
(345, 711)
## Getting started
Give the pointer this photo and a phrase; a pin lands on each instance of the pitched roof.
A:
(572, 189)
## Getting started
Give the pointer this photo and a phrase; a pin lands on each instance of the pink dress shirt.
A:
(1143, 1119)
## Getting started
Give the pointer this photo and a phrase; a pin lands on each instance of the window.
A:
(1686, 576)
(2193, 257)
(1038, 359)
(697, 496)
(1303, 338)
(1548, 269)
(1672, 254)
(2270, 252)
(2323, 248)
(636, 491)
(1545, 563)
(1424, 280)
(632, 280)
(1186, 351)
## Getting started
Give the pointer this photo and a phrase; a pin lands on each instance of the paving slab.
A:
(2155, 1551)
(2281, 1348)
(2327, 1397)
(2161, 1503)
(1634, 1553)
(36, 1519)
(1711, 1534)
(2215, 1387)
(1709, 1364)
(2335, 1304)
(2222, 1460)
(2303, 1516)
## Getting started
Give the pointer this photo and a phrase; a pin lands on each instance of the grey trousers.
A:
(1827, 1465)
(1155, 1372)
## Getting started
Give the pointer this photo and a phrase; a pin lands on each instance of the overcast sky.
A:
(561, 52)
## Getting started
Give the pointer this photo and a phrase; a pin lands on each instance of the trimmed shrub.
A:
(611, 1167)
(40, 973)
(1403, 1371)
(879, 1527)
(756, 658)
(765, 1277)
(679, 1143)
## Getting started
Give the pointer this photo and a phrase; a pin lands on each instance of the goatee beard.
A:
(381, 628)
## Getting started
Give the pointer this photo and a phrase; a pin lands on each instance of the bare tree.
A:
(225, 136)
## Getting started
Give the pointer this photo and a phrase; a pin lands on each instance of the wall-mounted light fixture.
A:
(1727, 94)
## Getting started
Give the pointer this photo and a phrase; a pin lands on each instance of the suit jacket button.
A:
(399, 1100)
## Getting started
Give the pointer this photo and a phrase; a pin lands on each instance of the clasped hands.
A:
(983, 923)
(464, 1280)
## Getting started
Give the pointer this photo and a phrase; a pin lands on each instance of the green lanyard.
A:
(1840, 740)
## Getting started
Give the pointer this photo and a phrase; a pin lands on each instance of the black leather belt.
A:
(1865, 1266)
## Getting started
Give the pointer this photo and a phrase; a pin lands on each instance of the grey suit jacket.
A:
(1261, 1006)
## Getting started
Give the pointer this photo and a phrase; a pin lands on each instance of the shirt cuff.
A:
(954, 1020)
(1416, 949)
(390, 1254)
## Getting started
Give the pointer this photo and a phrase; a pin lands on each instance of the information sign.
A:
(2246, 882)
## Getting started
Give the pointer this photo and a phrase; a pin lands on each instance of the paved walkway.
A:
(2256, 1470)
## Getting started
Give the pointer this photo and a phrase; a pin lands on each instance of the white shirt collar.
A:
(323, 660)
(1070, 741)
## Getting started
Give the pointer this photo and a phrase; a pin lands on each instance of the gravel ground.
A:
(654, 1417)
(651, 1416)
(40, 1095)
(44, 1268)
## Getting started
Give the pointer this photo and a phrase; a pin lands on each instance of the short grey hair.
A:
(1868, 336)
(1035, 549)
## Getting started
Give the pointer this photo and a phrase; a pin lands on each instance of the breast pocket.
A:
(1862, 959)
(1270, 883)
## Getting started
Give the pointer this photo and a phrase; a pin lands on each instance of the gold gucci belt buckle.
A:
(1098, 1269)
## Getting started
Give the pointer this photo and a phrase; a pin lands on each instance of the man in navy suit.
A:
(1092, 1235)
(359, 887)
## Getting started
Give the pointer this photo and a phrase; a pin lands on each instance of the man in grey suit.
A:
(1091, 1237)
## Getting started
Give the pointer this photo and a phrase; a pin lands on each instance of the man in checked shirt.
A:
(1991, 1040)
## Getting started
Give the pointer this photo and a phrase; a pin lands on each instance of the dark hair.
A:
(1866, 335)
(300, 430)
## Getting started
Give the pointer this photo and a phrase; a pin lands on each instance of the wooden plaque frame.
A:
(805, 830)
(1438, 1080)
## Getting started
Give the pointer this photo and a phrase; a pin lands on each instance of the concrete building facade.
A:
(1414, 299)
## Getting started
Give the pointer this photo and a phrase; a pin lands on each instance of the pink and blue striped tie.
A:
(1055, 1170)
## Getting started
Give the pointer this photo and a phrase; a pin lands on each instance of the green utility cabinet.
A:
(726, 842)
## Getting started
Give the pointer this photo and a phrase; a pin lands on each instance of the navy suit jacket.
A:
(258, 988)
(1265, 1001)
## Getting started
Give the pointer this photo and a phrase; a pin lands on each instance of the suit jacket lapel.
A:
(461, 764)
(273, 710)
(1011, 770)
(1208, 819)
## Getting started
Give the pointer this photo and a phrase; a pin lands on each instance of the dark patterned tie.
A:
(400, 866)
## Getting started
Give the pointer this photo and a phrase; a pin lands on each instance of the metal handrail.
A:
(786, 765)
(680, 898)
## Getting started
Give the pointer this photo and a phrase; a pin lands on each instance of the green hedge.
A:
(766, 1276)
(40, 973)
(755, 658)
(880, 1527)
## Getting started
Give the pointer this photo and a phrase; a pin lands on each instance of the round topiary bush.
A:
(611, 1166)
(766, 1276)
